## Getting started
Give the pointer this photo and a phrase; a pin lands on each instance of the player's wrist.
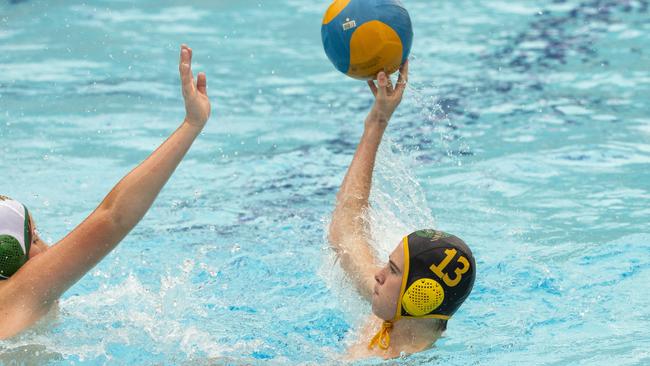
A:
(377, 120)
(193, 124)
(374, 132)
(379, 115)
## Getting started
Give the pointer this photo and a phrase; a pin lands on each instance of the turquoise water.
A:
(525, 131)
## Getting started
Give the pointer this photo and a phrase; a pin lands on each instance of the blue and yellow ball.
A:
(363, 37)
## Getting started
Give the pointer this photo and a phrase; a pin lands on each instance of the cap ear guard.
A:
(422, 297)
(12, 256)
(15, 236)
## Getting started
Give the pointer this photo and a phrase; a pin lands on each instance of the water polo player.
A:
(428, 275)
(33, 276)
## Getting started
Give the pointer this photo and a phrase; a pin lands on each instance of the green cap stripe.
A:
(28, 233)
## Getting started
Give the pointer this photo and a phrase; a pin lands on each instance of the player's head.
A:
(429, 275)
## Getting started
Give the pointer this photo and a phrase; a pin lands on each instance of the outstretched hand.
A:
(197, 104)
(387, 97)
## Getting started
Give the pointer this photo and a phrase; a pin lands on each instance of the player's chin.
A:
(374, 304)
(378, 309)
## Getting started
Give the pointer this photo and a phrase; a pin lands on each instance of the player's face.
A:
(37, 246)
(388, 283)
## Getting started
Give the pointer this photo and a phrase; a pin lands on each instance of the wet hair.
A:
(439, 325)
(442, 325)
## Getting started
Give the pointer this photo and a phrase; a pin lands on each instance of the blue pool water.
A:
(525, 131)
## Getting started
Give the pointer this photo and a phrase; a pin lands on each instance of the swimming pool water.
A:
(525, 131)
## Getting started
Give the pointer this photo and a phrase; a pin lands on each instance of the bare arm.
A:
(43, 279)
(348, 233)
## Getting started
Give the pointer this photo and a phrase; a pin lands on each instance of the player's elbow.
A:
(334, 235)
(116, 220)
(116, 212)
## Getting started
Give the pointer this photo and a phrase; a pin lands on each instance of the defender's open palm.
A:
(197, 104)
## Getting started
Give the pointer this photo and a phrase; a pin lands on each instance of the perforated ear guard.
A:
(422, 297)
(12, 256)
(15, 236)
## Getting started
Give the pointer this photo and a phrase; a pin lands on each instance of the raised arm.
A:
(348, 232)
(44, 278)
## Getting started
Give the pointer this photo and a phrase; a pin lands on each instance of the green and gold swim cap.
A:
(439, 273)
(15, 236)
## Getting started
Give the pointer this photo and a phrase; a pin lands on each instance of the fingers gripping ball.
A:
(363, 37)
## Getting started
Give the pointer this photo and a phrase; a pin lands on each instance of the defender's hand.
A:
(387, 98)
(197, 104)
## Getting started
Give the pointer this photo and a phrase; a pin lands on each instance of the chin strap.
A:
(382, 338)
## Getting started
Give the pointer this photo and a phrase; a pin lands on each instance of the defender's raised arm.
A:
(29, 293)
